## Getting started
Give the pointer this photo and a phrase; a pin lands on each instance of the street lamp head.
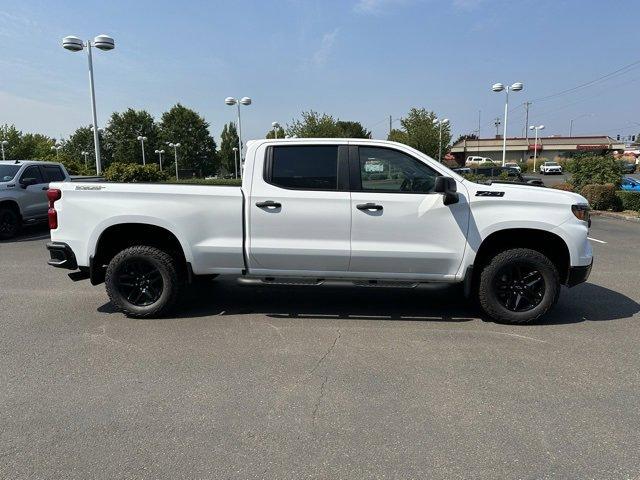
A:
(230, 101)
(235, 149)
(72, 43)
(245, 101)
(5, 142)
(104, 42)
(541, 127)
(436, 121)
(445, 121)
(516, 87)
(532, 127)
(140, 137)
(497, 87)
(177, 144)
(275, 125)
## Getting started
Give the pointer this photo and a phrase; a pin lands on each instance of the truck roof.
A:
(26, 162)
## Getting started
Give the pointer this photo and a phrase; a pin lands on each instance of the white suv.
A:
(550, 167)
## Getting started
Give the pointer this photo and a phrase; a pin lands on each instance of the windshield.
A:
(7, 172)
(552, 164)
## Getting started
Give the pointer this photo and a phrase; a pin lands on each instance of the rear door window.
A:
(53, 173)
(305, 167)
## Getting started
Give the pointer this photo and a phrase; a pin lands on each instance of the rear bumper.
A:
(578, 275)
(61, 256)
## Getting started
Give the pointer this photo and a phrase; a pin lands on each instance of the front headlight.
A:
(581, 212)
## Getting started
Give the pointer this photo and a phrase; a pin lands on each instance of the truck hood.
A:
(529, 193)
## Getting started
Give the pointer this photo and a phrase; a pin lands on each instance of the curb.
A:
(619, 216)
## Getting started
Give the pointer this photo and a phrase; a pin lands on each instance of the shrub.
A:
(133, 173)
(474, 177)
(567, 187)
(629, 200)
(602, 197)
(595, 169)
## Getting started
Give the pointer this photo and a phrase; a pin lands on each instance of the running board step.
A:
(328, 282)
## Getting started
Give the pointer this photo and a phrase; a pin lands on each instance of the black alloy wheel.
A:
(139, 281)
(519, 287)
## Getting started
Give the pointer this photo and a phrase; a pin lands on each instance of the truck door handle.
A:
(268, 204)
(368, 206)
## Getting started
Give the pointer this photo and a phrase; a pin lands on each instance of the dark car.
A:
(505, 174)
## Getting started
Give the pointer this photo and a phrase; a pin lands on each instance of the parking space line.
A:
(596, 240)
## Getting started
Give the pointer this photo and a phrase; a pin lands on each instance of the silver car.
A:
(23, 192)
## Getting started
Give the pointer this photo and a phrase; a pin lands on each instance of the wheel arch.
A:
(11, 204)
(548, 243)
(117, 237)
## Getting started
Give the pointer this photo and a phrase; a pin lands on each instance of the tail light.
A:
(53, 194)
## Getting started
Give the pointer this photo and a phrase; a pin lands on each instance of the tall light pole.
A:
(440, 123)
(84, 154)
(57, 149)
(275, 126)
(577, 118)
(175, 155)
(499, 87)
(3, 143)
(142, 140)
(235, 160)
(160, 152)
(535, 144)
(235, 101)
(102, 42)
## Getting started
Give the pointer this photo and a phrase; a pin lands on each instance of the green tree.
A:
(271, 133)
(197, 150)
(466, 136)
(12, 135)
(228, 141)
(418, 131)
(314, 125)
(121, 142)
(352, 129)
(594, 169)
(82, 141)
(35, 146)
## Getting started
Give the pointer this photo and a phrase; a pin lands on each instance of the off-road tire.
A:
(488, 294)
(167, 267)
(10, 223)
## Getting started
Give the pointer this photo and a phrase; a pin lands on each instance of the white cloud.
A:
(321, 55)
(466, 4)
(376, 6)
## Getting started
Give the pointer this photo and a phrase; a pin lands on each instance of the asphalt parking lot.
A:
(273, 382)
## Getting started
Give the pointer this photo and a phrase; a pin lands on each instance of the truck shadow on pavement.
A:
(30, 233)
(434, 303)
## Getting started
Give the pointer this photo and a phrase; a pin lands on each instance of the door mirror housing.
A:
(449, 188)
(26, 182)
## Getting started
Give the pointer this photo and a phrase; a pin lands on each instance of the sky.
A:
(358, 60)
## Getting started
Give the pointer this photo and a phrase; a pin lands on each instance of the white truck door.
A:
(401, 227)
(299, 211)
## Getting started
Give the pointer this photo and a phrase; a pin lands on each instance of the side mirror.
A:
(26, 182)
(448, 187)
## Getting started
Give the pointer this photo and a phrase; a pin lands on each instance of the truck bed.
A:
(206, 220)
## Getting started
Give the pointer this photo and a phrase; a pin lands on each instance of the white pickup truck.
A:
(371, 213)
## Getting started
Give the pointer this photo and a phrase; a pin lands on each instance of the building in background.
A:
(521, 149)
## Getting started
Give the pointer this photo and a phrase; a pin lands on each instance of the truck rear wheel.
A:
(518, 286)
(9, 223)
(143, 281)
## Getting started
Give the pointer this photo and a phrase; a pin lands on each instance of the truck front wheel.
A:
(518, 286)
(143, 281)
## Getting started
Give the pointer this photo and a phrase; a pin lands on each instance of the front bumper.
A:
(578, 275)
(61, 256)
